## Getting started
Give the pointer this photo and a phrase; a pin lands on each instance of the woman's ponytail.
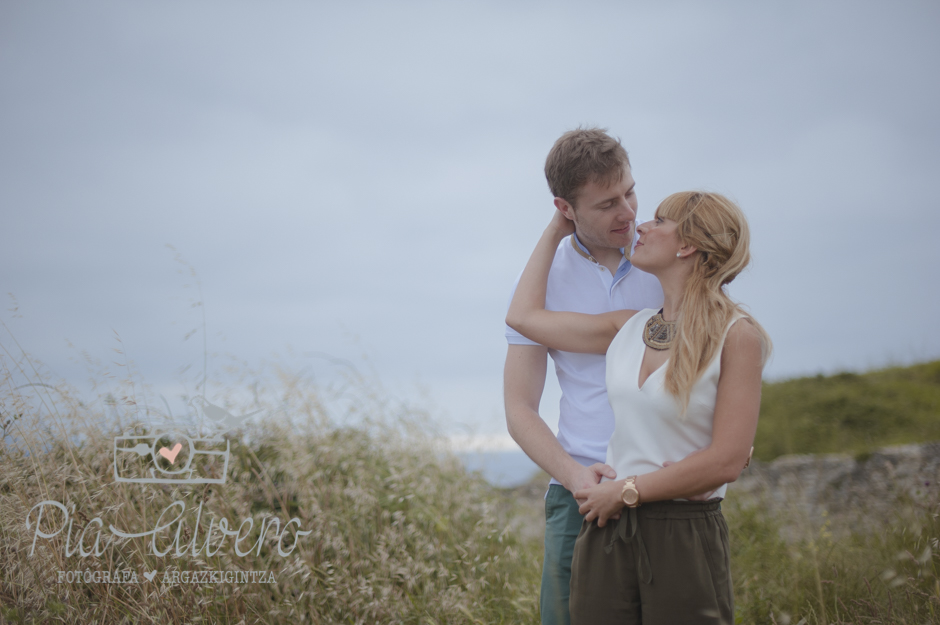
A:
(716, 227)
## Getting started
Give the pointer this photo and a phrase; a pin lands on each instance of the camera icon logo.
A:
(170, 458)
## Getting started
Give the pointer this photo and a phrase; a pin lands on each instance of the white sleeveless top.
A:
(647, 429)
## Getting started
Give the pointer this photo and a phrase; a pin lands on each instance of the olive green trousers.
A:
(662, 563)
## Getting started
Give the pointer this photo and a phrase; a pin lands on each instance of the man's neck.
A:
(609, 257)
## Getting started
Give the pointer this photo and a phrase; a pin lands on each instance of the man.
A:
(589, 174)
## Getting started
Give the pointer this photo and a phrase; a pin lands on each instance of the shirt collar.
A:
(622, 269)
(583, 251)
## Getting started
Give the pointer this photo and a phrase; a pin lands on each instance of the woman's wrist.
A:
(559, 227)
(618, 492)
(638, 482)
(554, 234)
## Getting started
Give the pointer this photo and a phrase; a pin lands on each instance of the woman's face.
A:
(657, 245)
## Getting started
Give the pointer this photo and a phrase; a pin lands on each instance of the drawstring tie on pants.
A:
(642, 558)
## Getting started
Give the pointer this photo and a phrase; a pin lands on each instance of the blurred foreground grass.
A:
(889, 576)
(399, 532)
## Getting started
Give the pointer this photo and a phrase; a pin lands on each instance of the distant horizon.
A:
(463, 443)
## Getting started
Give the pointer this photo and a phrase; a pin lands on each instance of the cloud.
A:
(370, 178)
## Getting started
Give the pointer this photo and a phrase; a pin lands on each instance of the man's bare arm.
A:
(523, 383)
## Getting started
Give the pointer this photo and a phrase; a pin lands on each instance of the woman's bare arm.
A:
(736, 410)
(566, 331)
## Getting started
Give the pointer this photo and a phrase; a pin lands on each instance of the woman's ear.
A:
(685, 251)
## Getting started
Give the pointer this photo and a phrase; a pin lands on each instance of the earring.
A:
(678, 254)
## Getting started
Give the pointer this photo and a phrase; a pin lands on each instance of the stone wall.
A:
(854, 493)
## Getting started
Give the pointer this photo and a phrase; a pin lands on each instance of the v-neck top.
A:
(647, 428)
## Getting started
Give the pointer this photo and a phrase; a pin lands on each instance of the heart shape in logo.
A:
(151, 574)
(171, 455)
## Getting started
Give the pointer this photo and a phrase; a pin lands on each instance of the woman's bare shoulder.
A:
(744, 328)
(743, 340)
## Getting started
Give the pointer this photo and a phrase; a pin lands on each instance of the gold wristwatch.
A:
(630, 495)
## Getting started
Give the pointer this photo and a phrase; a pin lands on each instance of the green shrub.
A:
(849, 413)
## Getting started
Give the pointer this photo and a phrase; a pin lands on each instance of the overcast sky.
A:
(364, 180)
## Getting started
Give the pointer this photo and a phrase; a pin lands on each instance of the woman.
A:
(684, 385)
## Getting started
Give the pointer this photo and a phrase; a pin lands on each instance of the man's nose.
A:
(627, 210)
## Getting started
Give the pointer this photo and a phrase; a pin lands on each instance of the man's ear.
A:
(565, 207)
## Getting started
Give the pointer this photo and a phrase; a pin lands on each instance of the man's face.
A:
(605, 216)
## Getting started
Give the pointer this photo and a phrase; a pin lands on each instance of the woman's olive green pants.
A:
(663, 563)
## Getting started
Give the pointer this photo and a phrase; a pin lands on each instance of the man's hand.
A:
(601, 502)
(586, 477)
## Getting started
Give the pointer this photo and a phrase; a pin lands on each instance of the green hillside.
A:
(849, 412)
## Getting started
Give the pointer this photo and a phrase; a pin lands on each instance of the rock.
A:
(854, 493)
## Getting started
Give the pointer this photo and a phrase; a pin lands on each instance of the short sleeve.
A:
(513, 337)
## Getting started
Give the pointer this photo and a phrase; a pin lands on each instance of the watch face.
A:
(630, 496)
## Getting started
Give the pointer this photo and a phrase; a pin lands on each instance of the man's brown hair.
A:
(581, 156)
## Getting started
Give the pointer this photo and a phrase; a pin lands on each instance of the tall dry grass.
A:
(819, 576)
(399, 533)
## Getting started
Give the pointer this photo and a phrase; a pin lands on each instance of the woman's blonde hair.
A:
(717, 228)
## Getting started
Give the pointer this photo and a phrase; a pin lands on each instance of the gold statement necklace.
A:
(659, 333)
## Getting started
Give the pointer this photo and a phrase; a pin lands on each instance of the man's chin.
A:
(623, 240)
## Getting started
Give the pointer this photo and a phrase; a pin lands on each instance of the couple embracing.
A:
(660, 375)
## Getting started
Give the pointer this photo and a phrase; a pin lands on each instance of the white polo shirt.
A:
(578, 283)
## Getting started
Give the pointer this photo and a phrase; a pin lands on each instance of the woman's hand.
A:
(584, 478)
(560, 225)
(601, 502)
(565, 331)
